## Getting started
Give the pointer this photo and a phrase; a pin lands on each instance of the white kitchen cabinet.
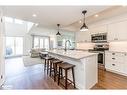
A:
(116, 62)
(83, 36)
(125, 64)
(98, 29)
(117, 31)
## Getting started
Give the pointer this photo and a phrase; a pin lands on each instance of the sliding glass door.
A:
(41, 42)
(14, 46)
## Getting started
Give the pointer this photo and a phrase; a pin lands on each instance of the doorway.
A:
(14, 46)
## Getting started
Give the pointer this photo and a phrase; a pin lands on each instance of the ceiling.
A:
(49, 16)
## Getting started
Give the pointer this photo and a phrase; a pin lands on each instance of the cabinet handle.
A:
(113, 53)
(113, 58)
(113, 64)
(115, 38)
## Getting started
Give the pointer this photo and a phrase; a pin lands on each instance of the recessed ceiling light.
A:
(36, 24)
(96, 15)
(80, 21)
(34, 15)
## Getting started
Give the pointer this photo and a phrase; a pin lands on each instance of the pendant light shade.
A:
(84, 26)
(58, 33)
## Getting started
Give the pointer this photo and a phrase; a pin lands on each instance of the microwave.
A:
(98, 38)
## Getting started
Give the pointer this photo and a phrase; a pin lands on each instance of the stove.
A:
(100, 49)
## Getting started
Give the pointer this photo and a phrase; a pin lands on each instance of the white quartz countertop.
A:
(73, 53)
(116, 51)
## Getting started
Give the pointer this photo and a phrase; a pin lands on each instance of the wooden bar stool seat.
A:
(47, 62)
(66, 67)
(53, 67)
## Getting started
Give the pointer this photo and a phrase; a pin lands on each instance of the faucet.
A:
(66, 45)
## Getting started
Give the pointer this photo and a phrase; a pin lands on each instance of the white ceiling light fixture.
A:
(36, 24)
(34, 15)
(58, 33)
(84, 26)
(80, 21)
(96, 15)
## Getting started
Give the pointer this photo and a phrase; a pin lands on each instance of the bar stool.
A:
(47, 63)
(53, 67)
(66, 66)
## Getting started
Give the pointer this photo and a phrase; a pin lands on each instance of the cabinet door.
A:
(112, 32)
(125, 64)
(122, 30)
(114, 61)
(117, 31)
(99, 29)
(83, 36)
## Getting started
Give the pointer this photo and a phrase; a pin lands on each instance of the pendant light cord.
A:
(84, 12)
(84, 18)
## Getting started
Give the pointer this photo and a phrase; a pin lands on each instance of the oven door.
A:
(100, 58)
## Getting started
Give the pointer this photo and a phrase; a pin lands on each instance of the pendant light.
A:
(84, 26)
(58, 33)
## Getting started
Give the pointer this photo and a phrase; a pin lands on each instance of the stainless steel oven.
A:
(99, 38)
(100, 49)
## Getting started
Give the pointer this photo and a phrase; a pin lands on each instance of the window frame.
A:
(39, 41)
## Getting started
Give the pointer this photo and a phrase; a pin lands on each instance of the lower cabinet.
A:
(116, 62)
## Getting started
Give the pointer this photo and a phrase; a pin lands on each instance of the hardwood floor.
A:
(108, 80)
(33, 77)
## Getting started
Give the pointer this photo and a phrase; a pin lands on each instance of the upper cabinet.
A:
(117, 31)
(98, 29)
(83, 36)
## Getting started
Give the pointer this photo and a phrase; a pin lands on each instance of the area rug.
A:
(29, 61)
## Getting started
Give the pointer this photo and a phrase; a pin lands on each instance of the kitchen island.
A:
(86, 70)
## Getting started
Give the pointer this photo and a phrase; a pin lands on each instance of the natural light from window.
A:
(9, 19)
(13, 20)
(18, 21)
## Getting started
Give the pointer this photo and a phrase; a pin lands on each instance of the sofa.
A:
(35, 52)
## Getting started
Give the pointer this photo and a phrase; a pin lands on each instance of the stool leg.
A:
(65, 79)
(61, 73)
(73, 77)
(47, 66)
(50, 67)
(59, 76)
(55, 71)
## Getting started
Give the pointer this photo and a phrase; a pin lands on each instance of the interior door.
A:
(2, 51)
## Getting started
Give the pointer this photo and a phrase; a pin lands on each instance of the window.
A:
(9, 19)
(17, 21)
(14, 46)
(41, 42)
(13, 20)
(36, 42)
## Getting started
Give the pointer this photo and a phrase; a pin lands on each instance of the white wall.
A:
(84, 46)
(27, 44)
(2, 50)
(118, 46)
(13, 29)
